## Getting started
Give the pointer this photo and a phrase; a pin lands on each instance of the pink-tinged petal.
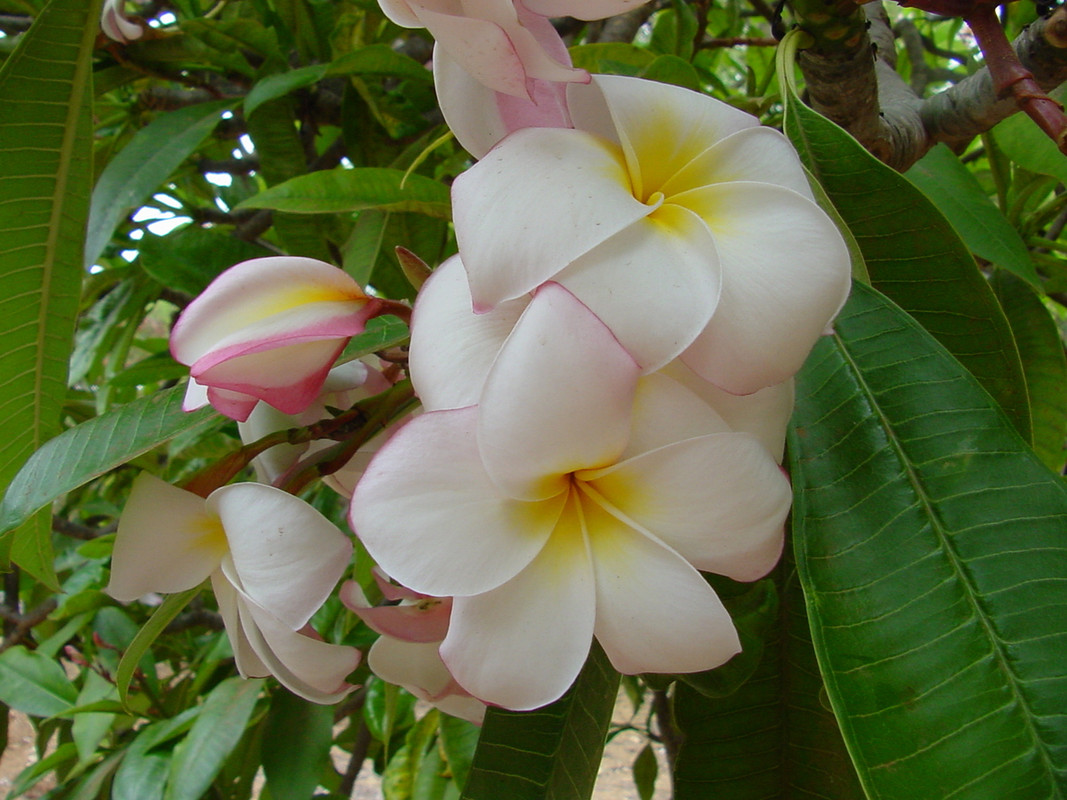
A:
(536, 202)
(235, 405)
(431, 471)
(481, 48)
(521, 645)
(655, 613)
(786, 274)
(719, 500)
(643, 110)
(287, 557)
(263, 421)
(250, 294)
(167, 541)
(420, 670)
(452, 348)
(582, 9)
(300, 660)
(753, 154)
(665, 412)
(248, 663)
(663, 267)
(393, 591)
(344, 480)
(400, 12)
(423, 620)
(557, 398)
(480, 117)
(114, 24)
(764, 414)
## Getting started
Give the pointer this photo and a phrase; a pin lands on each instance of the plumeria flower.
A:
(446, 332)
(345, 385)
(406, 654)
(272, 560)
(661, 204)
(576, 499)
(268, 329)
(115, 25)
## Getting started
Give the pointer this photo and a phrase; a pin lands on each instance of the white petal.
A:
(663, 267)
(557, 398)
(452, 348)
(167, 541)
(665, 412)
(785, 275)
(287, 557)
(655, 613)
(719, 500)
(420, 670)
(429, 515)
(537, 201)
(248, 663)
(582, 9)
(522, 645)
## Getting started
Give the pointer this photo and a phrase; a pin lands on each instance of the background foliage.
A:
(912, 645)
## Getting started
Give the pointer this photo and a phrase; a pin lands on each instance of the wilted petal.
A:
(664, 268)
(167, 541)
(535, 203)
(522, 645)
(425, 495)
(785, 275)
(655, 613)
(719, 500)
(420, 670)
(287, 557)
(453, 348)
(557, 398)
(300, 660)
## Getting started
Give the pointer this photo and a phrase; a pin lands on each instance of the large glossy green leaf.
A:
(219, 726)
(914, 256)
(294, 764)
(88, 450)
(552, 753)
(143, 165)
(354, 190)
(957, 194)
(45, 175)
(773, 736)
(34, 684)
(932, 546)
(1028, 146)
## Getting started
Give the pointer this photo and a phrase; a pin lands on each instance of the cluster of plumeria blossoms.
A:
(605, 371)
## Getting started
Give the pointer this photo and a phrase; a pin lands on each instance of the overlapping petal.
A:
(114, 24)
(582, 9)
(419, 669)
(528, 440)
(457, 533)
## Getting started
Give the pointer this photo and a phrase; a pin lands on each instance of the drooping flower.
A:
(268, 329)
(576, 499)
(115, 25)
(661, 204)
(272, 560)
(406, 653)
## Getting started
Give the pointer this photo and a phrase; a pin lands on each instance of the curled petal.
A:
(452, 348)
(431, 469)
(522, 645)
(575, 195)
(422, 620)
(719, 500)
(655, 613)
(420, 670)
(114, 24)
(529, 440)
(248, 663)
(286, 556)
(167, 541)
(786, 274)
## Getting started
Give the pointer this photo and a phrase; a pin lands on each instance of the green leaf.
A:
(381, 333)
(294, 764)
(914, 256)
(45, 175)
(216, 731)
(1043, 363)
(645, 770)
(957, 194)
(97, 446)
(380, 59)
(459, 739)
(279, 85)
(167, 611)
(1028, 146)
(142, 776)
(90, 726)
(930, 542)
(341, 189)
(188, 259)
(597, 57)
(553, 752)
(143, 165)
(34, 684)
(673, 70)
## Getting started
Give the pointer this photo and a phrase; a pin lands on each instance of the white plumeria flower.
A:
(577, 499)
(272, 560)
(661, 204)
(268, 329)
(114, 24)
